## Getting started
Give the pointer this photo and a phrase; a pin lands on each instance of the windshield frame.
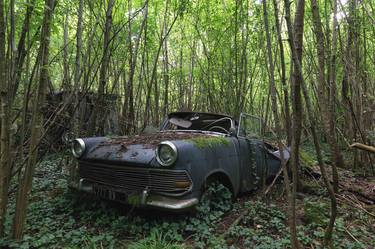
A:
(218, 117)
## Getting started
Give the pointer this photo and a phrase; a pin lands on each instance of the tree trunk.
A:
(181, 88)
(272, 85)
(66, 79)
(77, 72)
(295, 41)
(328, 122)
(322, 166)
(36, 123)
(77, 65)
(21, 50)
(166, 77)
(4, 115)
(283, 74)
(332, 66)
(101, 106)
(155, 62)
(128, 84)
(191, 76)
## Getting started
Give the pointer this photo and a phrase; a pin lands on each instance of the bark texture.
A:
(4, 116)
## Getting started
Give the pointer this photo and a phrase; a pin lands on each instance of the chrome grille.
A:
(130, 179)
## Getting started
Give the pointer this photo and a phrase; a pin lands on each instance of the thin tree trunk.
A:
(276, 115)
(155, 63)
(322, 166)
(4, 115)
(128, 84)
(36, 123)
(11, 47)
(349, 69)
(21, 50)
(66, 80)
(295, 41)
(101, 106)
(332, 70)
(128, 112)
(283, 74)
(77, 65)
(166, 77)
(328, 122)
(77, 72)
(156, 102)
(26, 88)
(181, 103)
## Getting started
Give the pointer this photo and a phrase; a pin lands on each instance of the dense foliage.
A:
(61, 218)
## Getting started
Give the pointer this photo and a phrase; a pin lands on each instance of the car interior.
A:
(198, 121)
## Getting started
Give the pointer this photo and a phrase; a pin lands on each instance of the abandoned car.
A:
(169, 169)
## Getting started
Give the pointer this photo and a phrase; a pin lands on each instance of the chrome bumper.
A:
(147, 199)
(170, 203)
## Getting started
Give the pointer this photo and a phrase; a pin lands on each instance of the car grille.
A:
(131, 179)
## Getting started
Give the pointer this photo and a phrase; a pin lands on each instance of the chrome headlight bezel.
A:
(158, 153)
(81, 143)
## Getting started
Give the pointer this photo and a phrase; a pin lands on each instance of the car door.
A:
(251, 152)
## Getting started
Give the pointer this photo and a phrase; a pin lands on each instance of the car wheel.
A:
(215, 197)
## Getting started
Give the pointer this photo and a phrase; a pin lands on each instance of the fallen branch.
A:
(233, 224)
(365, 147)
(354, 238)
(362, 188)
(281, 168)
(273, 182)
(354, 204)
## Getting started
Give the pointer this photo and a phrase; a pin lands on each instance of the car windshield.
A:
(198, 121)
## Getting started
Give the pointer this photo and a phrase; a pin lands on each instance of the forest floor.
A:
(61, 218)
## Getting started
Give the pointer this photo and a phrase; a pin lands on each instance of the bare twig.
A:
(354, 238)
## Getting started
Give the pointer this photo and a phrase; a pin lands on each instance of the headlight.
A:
(166, 153)
(78, 147)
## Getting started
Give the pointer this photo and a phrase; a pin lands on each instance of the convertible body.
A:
(169, 169)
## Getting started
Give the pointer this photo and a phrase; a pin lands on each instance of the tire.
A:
(215, 197)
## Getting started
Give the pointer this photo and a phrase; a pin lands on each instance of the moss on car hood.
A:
(204, 142)
(152, 140)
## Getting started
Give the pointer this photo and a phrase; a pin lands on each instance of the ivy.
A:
(60, 218)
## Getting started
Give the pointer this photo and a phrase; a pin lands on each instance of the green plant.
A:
(60, 218)
(156, 240)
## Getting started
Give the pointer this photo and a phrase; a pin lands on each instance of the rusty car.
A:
(170, 168)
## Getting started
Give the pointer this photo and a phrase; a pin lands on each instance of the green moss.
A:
(306, 159)
(205, 142)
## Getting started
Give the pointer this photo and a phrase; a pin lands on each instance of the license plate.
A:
(105, 192)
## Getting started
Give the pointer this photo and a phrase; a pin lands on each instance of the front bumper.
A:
(164, 202)
(145, 198)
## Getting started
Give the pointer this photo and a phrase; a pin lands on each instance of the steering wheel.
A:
(219, 128)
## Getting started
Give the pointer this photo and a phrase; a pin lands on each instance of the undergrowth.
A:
(61, 218)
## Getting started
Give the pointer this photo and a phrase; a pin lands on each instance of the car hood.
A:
(132, 150)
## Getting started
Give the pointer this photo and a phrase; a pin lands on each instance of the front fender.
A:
(205, 159)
